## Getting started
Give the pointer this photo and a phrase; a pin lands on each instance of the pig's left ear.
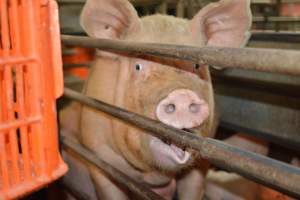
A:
(225, 23)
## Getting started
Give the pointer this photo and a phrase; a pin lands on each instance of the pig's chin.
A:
(168, 156)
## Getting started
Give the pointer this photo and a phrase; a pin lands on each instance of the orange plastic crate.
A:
(30, 81)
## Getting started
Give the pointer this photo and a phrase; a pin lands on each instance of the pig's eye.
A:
(138, 67)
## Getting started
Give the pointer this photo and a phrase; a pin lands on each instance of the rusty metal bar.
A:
(162, 8)
(272, 36)
(284, 19)
(71, 1)
(180, 7)
(269, 172)
(138, 189)
(266, 60)
(74, 192)
(73, 65)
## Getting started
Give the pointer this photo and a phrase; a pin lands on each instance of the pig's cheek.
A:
(134, 141)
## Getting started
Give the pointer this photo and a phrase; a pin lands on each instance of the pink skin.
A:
(182, 108)
(167, 191)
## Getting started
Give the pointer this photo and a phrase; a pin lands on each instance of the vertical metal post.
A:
(190, 9)
(180, 8)
(162, 8)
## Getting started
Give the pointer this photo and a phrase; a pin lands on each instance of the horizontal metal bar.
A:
(282, 36)
(269, 172)
(289, 1)
(73, 65)
(71, 1)
(140, 190)
(73, 191)
(291, 37)
(68, 52)
(276, 19)
(267, 60)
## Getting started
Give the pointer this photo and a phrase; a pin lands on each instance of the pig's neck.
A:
(153, 179)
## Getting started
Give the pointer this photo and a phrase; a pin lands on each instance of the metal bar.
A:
(73, 191)
(137, 188)
(180, 8)
(276, 19)
(73, 65)
(71, 1)
(162, 8)
(291, 37)
(290, 1)
(272, 2)
(269, 172)
(267, 60)
(282, 36)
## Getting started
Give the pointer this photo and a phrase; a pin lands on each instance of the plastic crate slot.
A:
(5, 30)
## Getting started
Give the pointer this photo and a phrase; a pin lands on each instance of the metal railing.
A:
(265, 60)
(131, 185)
(269, 172)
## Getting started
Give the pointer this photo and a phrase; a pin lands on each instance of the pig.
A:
(177, 93)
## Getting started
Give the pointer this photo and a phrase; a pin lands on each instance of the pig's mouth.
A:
(167, 153)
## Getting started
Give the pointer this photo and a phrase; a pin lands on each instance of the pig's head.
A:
(181, 97)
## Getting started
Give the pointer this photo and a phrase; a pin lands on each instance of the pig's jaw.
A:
(166, 155)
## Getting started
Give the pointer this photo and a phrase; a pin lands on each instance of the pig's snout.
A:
(182, 108)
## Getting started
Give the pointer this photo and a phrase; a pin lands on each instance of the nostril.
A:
(194, 108)
(170, 108)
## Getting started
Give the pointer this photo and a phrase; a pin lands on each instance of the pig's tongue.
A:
(182, 156)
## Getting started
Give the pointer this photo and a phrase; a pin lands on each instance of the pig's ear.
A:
(225, 23)
(110, 19)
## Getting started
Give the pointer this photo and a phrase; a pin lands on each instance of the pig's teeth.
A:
(181, 155)
(171, 151)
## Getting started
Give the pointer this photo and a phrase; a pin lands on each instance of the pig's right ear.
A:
(225, 23)
(109, 19)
